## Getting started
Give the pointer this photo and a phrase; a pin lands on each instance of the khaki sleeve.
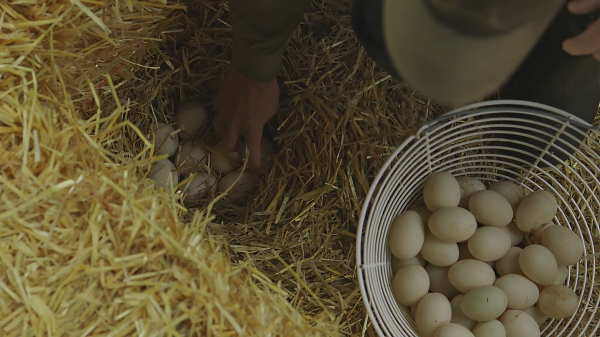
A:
(261, 29)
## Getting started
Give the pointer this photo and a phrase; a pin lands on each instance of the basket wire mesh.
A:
(523, 142)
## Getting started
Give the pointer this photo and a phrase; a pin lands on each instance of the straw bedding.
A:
(89, 247)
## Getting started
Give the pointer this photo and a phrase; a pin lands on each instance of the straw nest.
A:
(89, 247)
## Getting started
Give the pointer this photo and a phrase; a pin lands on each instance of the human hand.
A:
(243, 108)
(588, 42)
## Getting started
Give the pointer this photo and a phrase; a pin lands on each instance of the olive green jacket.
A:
(261, 29)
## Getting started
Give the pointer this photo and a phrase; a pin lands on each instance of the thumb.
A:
(583, 6)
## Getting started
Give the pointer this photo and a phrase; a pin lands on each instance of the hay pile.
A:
(87, 248)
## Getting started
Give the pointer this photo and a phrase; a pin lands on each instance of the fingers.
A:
(231, 135)
(585, 43)
(583, 6)
(253, 141)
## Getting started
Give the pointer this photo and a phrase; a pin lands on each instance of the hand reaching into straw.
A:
(588, 42)
(243, 108)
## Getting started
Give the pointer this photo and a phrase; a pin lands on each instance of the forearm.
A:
(261, 29)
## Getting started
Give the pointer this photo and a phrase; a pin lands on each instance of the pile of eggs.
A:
(192, 157)
(471, 261)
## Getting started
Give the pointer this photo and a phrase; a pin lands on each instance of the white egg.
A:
(562, 275)
(458, 316)
(558, 301)
(406, 235)
(565, 245)
(423, 211)
(484, 303)
(468, 274)
(398, 263)
(190, 118)
(452, 330)
(452, 224)
(535, 236)
(510, 191)
(192, 157)
(468, 186)
(166, 141)
(245, 186)
(199, 186)
(411, 284)
(515, 234)
(439, 252)
(439, 282)
(509, 263)
(535, 210)
(433, 311)
(490, 208)
(536, 314)
(488, 243)
(441, 190)
(491, 328)
(538, 264)
(518, 324)
(520, 292)
(223, 160)
(163, 172)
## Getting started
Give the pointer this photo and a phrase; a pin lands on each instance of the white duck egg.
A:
(538, 264)
(512, 192)
(411, 284)
(433, 311)
(244, 187)
(535, 210)
(399, 263)
(223, 160)
(190, 118)
(565, 245)
(439, 252)
(491, 328)
(468, 186)
(166, 141)
(452, 224)
(518, 324)
(490, 208)
(558, 301)
(441, 190)
(192, 157)
(468, 274)
(423, 211)
(536, 314)
(484, 303)
(452, 330)
(199, 186)
(520, 292)
(515, 234)
(458, 316)
(164, 172)
(509, 263)
(439, 281)
(406, 235)
(489, 243)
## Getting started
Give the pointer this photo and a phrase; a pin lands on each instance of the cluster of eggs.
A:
(188, 157)
(471, 261)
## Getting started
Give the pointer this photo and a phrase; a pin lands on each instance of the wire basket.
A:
(533, 145)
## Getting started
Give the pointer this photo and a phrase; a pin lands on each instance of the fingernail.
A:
(576, 6)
